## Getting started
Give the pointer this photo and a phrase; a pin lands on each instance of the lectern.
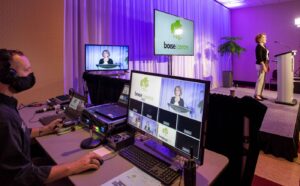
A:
(285, 78)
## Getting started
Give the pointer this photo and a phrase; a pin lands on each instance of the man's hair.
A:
(16, 52)
(6, 56)
(258, 37)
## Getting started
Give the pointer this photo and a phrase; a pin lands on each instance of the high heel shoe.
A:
(258, 98)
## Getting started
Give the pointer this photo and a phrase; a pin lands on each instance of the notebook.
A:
(117, 110)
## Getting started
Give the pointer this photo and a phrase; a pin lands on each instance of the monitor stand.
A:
(161, 149)
(91, 142)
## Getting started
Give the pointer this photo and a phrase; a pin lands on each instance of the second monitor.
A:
(106, 57)
(171, 109)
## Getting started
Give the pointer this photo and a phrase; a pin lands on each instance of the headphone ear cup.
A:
(10, 76)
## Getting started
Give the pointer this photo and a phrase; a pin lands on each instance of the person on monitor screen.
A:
(105, 60)
(177, 100)
(16, 165)
(262, 65)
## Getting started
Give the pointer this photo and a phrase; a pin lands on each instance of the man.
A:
(16, 167)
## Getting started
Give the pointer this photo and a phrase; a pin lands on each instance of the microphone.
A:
(282, 44)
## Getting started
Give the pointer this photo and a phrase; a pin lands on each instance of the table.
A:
(66, 148)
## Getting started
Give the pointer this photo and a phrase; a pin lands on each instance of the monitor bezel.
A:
(204, 115)
(159, 54)
(88, 44)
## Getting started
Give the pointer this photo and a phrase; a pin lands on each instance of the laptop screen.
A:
(123, 99)
(77, 103)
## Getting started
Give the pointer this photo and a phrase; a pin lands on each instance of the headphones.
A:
(7, 74)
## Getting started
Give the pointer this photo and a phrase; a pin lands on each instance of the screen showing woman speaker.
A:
(169, 108)
(106, 57)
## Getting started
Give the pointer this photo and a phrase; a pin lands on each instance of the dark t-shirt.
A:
(16, 167)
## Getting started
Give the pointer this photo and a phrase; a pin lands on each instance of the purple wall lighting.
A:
(277, 21)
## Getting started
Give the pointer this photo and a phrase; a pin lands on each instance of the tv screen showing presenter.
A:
(183, 98)
(106, 57)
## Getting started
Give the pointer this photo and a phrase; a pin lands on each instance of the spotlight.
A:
(297, 22)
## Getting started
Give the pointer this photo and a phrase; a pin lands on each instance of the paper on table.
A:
(102, 151)
(133, 177)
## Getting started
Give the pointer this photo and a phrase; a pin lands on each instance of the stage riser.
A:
(272, 86)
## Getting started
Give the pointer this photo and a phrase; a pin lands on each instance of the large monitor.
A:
(106, 57)
(173, 35)
(170, 109)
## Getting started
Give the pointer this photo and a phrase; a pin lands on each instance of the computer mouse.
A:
(62, 119)
(101, 161)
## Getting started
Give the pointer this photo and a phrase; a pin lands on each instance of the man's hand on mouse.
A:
(86, 162)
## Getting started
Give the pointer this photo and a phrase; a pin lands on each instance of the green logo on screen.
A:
(144, 83)
(165, 131)
(176, 29)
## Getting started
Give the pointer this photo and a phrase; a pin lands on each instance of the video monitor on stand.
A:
(113, 59)
(172, 110)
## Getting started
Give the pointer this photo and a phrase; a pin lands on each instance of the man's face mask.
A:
(23, 83)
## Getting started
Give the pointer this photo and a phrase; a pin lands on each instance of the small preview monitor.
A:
(106, 57)
(170, 109)
(173, 35)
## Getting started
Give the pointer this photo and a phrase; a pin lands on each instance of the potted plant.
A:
(228, 49)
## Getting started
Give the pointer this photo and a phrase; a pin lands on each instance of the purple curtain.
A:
(131, 22)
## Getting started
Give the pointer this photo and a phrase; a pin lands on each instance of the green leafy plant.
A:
(230, 46)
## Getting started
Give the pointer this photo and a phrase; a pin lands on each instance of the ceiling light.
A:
(297, 22)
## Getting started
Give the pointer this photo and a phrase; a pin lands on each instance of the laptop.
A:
(117, 110)
(72, 112)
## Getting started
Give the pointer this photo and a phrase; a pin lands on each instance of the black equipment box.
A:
(120, 140)
(102, 125)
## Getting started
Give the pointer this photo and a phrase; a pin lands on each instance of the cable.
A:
(32, 117)
(33, 104)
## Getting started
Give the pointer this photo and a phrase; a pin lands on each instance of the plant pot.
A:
(227, 79)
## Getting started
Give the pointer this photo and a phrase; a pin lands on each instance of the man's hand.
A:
(51, 127)
(86, 162)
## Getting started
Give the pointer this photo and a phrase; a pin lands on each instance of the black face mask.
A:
(23, 83)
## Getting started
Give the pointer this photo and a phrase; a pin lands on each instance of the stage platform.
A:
(279, 133)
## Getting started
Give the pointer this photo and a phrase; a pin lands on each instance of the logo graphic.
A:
(176, 29)
(144, 83)
(165, 131)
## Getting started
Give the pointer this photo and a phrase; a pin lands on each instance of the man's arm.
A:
(15, 164)
(45, 130)
(89, 161)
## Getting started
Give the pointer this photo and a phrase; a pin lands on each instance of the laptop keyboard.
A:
(48, 119)
(112, 111)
